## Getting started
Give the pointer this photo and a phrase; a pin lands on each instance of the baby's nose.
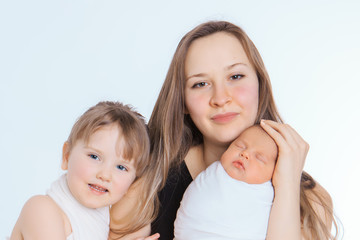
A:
(245, 155)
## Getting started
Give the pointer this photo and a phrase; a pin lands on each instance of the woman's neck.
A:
(212, 152)
(200, 157)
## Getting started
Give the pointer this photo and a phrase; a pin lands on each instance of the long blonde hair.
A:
(137, 149)
(172, 132)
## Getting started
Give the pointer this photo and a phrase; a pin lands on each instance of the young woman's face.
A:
(97, 173)
(221, 90)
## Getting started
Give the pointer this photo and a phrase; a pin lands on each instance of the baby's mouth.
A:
(239, 165)
(97, 188)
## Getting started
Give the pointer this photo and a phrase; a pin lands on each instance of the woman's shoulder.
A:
(179, 176)
(170, 196)
(194, 161)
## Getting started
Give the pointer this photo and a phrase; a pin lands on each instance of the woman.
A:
(216, 87)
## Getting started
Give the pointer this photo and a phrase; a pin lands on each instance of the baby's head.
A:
(107, 149)
(251, 157)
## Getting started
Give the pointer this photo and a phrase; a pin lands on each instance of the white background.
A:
(58, 58)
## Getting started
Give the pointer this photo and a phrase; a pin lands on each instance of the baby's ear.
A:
(65, 156)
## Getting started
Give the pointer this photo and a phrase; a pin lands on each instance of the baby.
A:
(232, 198)
(107, 150)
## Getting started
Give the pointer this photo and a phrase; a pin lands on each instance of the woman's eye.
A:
(121, 167)
(236, 77)
(199, 85)
(93, 156)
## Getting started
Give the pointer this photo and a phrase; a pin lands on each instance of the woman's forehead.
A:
(222, 49)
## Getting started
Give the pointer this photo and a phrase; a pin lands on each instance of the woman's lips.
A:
(224, 117)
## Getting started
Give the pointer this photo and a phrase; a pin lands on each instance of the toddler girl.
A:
(106, 152)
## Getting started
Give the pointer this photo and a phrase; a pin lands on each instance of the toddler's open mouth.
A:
(97, 188)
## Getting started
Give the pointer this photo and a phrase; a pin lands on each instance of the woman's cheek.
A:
(248, 96)
(194, 102)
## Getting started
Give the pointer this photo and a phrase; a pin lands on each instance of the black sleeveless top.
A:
(170, 196)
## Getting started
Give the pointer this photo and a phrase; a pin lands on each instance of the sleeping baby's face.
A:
(251, 157)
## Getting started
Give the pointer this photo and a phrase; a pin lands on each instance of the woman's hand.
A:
(152, 237)
(292, 151)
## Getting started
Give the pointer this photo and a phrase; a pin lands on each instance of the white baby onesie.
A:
(216, 206)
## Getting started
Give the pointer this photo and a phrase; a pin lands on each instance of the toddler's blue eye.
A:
(121, 167)
(93, 156)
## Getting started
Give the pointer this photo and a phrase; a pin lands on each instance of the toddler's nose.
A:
(104, 174)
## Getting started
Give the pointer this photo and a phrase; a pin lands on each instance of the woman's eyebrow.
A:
(236, 64)
(196, 75)
(226, 68)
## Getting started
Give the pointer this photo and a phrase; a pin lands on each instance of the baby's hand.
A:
(152, 237)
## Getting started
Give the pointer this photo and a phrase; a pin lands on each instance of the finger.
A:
(280, 128)
(274, 131)
(295, 134)
(153, 237)
(301, 143)
(291, 137)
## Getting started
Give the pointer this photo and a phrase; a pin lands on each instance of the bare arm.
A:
(284, 221)
(40, 219)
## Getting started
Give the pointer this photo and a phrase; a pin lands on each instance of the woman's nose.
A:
(220, 97)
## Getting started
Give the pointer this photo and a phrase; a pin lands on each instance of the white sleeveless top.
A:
(86, 223)
(216, 206)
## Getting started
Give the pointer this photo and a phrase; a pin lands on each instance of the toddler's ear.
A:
(65, 156)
